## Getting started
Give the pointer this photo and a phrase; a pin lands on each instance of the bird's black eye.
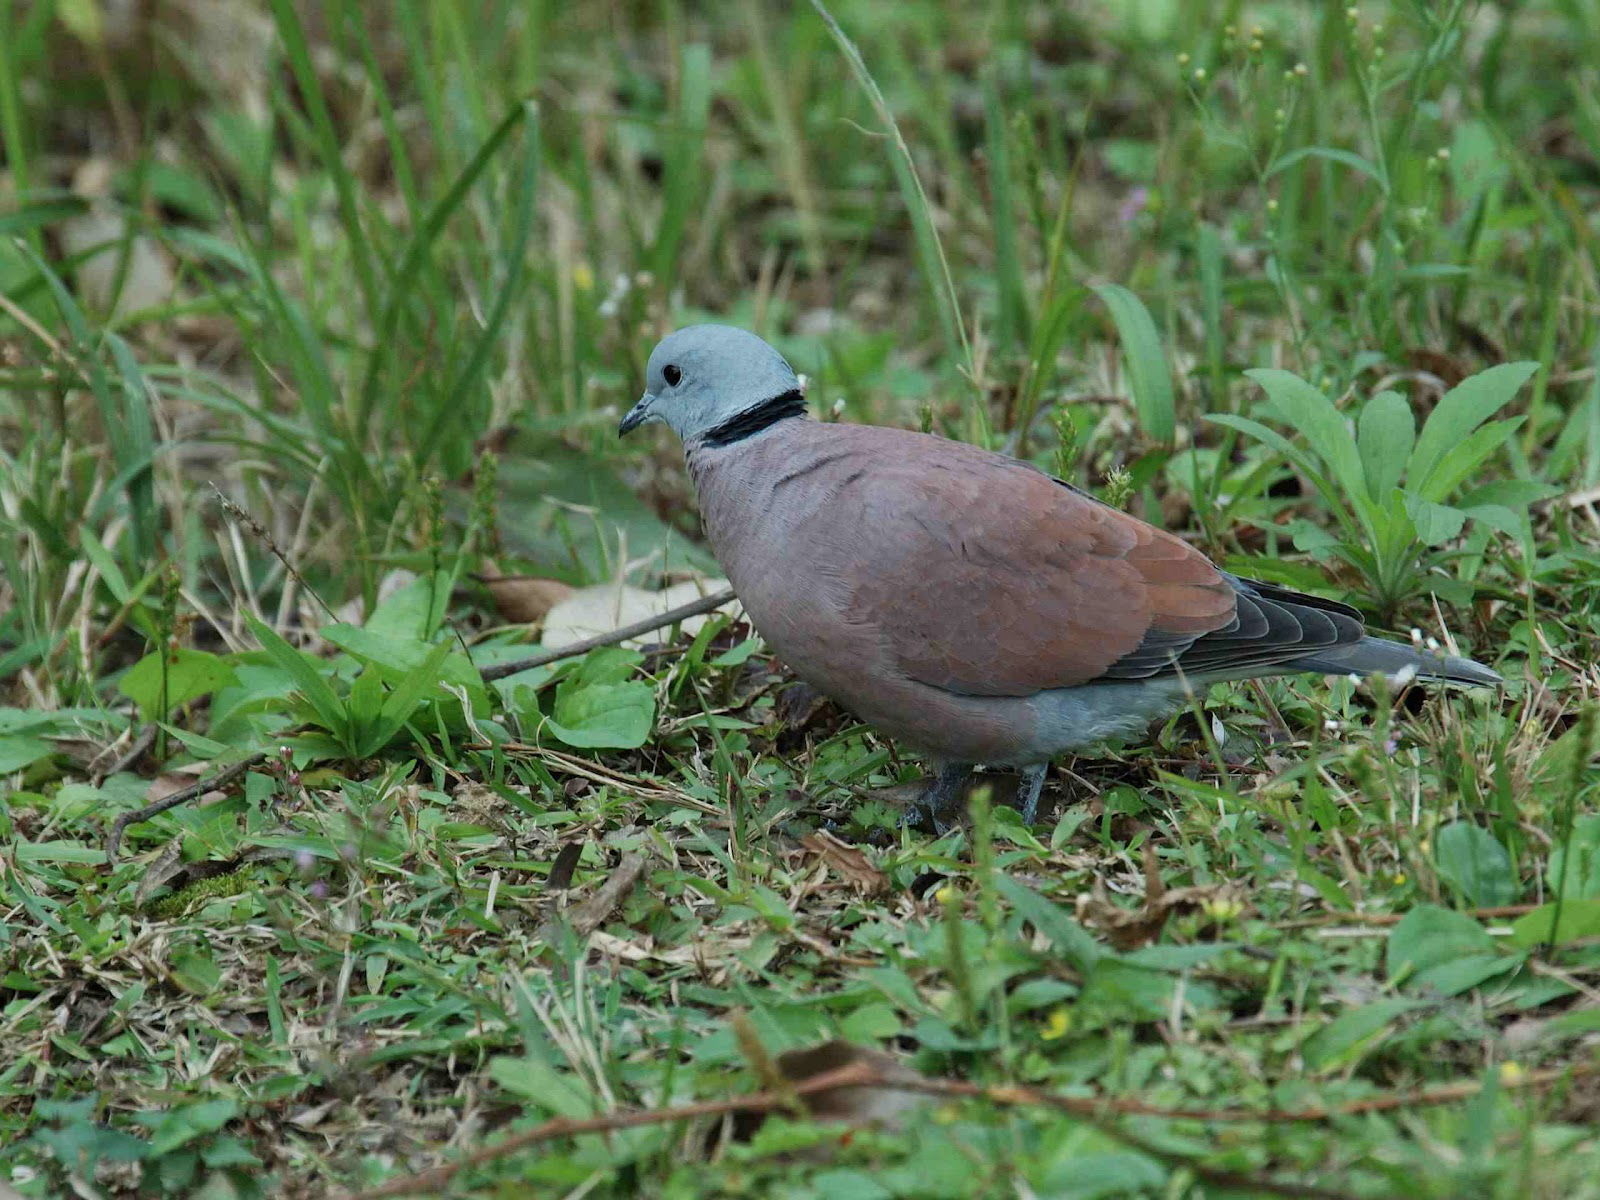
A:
(671, 374)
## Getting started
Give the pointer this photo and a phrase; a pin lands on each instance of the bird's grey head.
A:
(715, 382)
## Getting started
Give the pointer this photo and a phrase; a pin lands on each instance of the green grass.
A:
(386, 276)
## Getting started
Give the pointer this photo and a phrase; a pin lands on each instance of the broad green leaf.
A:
(1556, 761)
(103, 562)
(1497, 517)
(608, 664)
(1065, 933)
(1465, 407)
(402, 655)
(1557, 923)
(1385, 435)
(1128, 991)
(303, 669)
(366, 697)
(1512, 493)
(1429, 937)
(616, 716)
(1265, 435)
(190, 674)
(1578, 879)
(402, 702)
(1347, 1036)
(870, 1023)
(59, 852)
(1347, 158)
(200, 747)
(533, 1079)
(19, 750)
(1302, 407)
(1436, 523)
(1149, 377)
(1463, 458)
(84, 18)
(27, 720)
(414, 611)
(1474, 862)
(1470, 971)
(196, 972)
(1093, 1174)
(183, 1124)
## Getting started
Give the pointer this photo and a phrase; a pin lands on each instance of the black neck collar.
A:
(753, 420)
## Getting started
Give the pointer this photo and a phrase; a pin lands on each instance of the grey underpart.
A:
(940, 802)
(1032, 785)
(1074, 720)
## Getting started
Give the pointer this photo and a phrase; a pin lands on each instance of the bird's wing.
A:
(984, 576)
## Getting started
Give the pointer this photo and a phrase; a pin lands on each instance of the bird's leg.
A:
(1032, 785)
(940, 802)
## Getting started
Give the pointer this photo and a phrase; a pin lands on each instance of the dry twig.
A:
(671, 617)
(869, 1074)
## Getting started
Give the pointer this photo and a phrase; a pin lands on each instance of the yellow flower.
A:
(1056, 1025)
(583, 277)
(944, 894)
(1512, 1073)
(1223, 908)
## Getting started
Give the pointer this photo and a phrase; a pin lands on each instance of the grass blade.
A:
(930, 250)
(1148, 374)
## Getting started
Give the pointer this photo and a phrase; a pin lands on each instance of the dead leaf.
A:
(166, 865)
(146, 280)
(586, 918)
(702, 954)
(1127, 929)
(879, 1103)
(848, 861)
(354, 611)
(590, 611)
(1449, 369)
(524, 599)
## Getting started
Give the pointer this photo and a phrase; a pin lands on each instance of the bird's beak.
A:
(637, 415)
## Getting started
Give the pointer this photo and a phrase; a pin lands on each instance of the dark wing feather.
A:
(1273, 626)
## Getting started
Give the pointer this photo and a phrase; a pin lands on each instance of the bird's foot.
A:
(1032, 785)
(939, 805)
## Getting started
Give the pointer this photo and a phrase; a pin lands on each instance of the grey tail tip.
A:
(1464, 670)
(1373, 655)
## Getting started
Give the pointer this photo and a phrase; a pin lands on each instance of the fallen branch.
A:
(873, 1075)
(588, 915)
(649, 625)
(199, 788)
(121, 762)
(1499, 912)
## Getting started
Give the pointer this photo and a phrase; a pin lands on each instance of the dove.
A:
(965, 604)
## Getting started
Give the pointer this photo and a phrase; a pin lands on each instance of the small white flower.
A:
(1433, 645)
(1403, 676)
(620, 287)
(838, 406)
(1416, 637)
(1331, 725)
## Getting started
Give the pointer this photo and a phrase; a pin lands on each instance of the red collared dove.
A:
(964, 603)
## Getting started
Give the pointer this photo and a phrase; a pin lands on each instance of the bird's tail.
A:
(1399, 661)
